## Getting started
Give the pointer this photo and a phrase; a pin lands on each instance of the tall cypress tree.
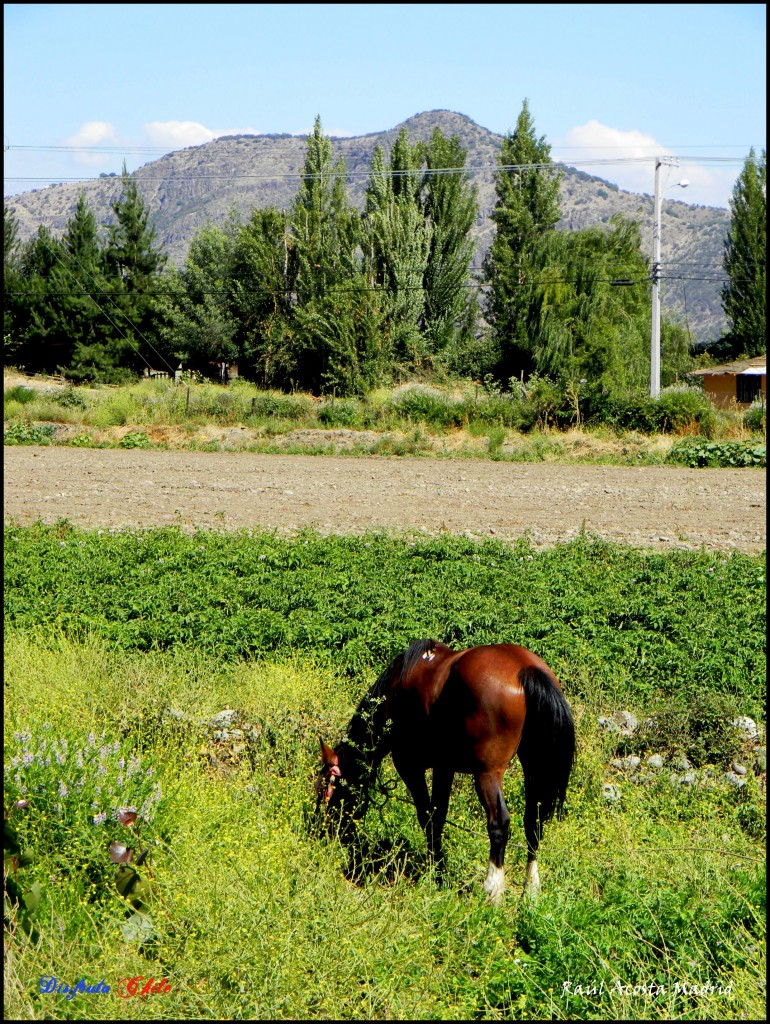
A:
(38, 344)
(527, 207)
(133, 266)
(745, 262)
(131, 252)
(11, 281)
(84, 302)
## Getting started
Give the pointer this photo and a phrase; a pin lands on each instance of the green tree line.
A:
(327, 299)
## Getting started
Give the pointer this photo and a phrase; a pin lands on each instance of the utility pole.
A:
(660, 161)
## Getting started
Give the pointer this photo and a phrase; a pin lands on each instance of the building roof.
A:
(755, 367)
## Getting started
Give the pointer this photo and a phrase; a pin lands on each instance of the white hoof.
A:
(495, 883)
(532, 882)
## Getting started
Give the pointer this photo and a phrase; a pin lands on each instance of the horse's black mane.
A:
(408, 659)
(365, 731)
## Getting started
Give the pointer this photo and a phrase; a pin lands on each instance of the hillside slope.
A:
(204, 184)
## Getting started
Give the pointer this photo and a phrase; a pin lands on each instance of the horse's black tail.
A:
(546, 750)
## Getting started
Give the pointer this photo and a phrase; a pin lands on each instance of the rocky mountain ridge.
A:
(188, 188)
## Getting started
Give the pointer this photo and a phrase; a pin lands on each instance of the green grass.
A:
(252, 915)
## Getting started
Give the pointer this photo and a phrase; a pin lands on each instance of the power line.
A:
(375, 288)
(351, 174)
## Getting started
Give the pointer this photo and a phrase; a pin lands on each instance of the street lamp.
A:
(660, 161)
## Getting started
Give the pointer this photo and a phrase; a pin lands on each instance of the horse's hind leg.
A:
(489, 789)
(532, 830)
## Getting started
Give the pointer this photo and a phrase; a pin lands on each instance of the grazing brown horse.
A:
(458, 711)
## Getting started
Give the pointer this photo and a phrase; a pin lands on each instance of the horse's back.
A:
(483, 697)
(493, 669)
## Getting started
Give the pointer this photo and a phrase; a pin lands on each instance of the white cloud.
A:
(627, 159)
(178, 134)
(92, 133)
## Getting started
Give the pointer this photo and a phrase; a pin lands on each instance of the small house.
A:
(222, 371)
(735, 384)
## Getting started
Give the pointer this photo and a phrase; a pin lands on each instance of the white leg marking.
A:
(495, 883)
(532, 883)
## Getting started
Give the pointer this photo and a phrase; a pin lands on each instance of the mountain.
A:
(191, 187)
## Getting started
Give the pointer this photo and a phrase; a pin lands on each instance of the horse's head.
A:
(328, 774)
(336, 789)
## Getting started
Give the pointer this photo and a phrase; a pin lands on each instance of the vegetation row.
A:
(525, 419)
(594, 611)
(326, 299)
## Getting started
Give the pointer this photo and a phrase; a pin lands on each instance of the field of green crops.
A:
(120, 648)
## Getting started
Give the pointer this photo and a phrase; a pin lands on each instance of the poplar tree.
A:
(450, 206)
(527, 207)
(397, 247)
(324, 226)
(745, 262)
(262, 284)
(334, 334)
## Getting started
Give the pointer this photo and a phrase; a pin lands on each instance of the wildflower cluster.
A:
(73, 784)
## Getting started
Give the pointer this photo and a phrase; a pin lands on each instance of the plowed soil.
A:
(651, 507)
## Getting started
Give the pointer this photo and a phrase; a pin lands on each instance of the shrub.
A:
(135, 439)
(287, 407)
(544, 398)
(222, 406)
(496, 439)
(427, 405)
(13, 410)
(755, 418)
(68, 398)
(632, 411)
(679, 406)
(339, 414)
(29, 433)
(700, 452)
(702, 731)
(20, 394)
(496, 410)
(676, 409)
(119, 409)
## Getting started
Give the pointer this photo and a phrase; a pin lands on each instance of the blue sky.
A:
(89, 85)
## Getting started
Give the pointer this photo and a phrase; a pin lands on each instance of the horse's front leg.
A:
(490, 793)
(414, 780)
(442, 787)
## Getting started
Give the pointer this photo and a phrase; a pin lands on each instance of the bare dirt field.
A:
(650, 507)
